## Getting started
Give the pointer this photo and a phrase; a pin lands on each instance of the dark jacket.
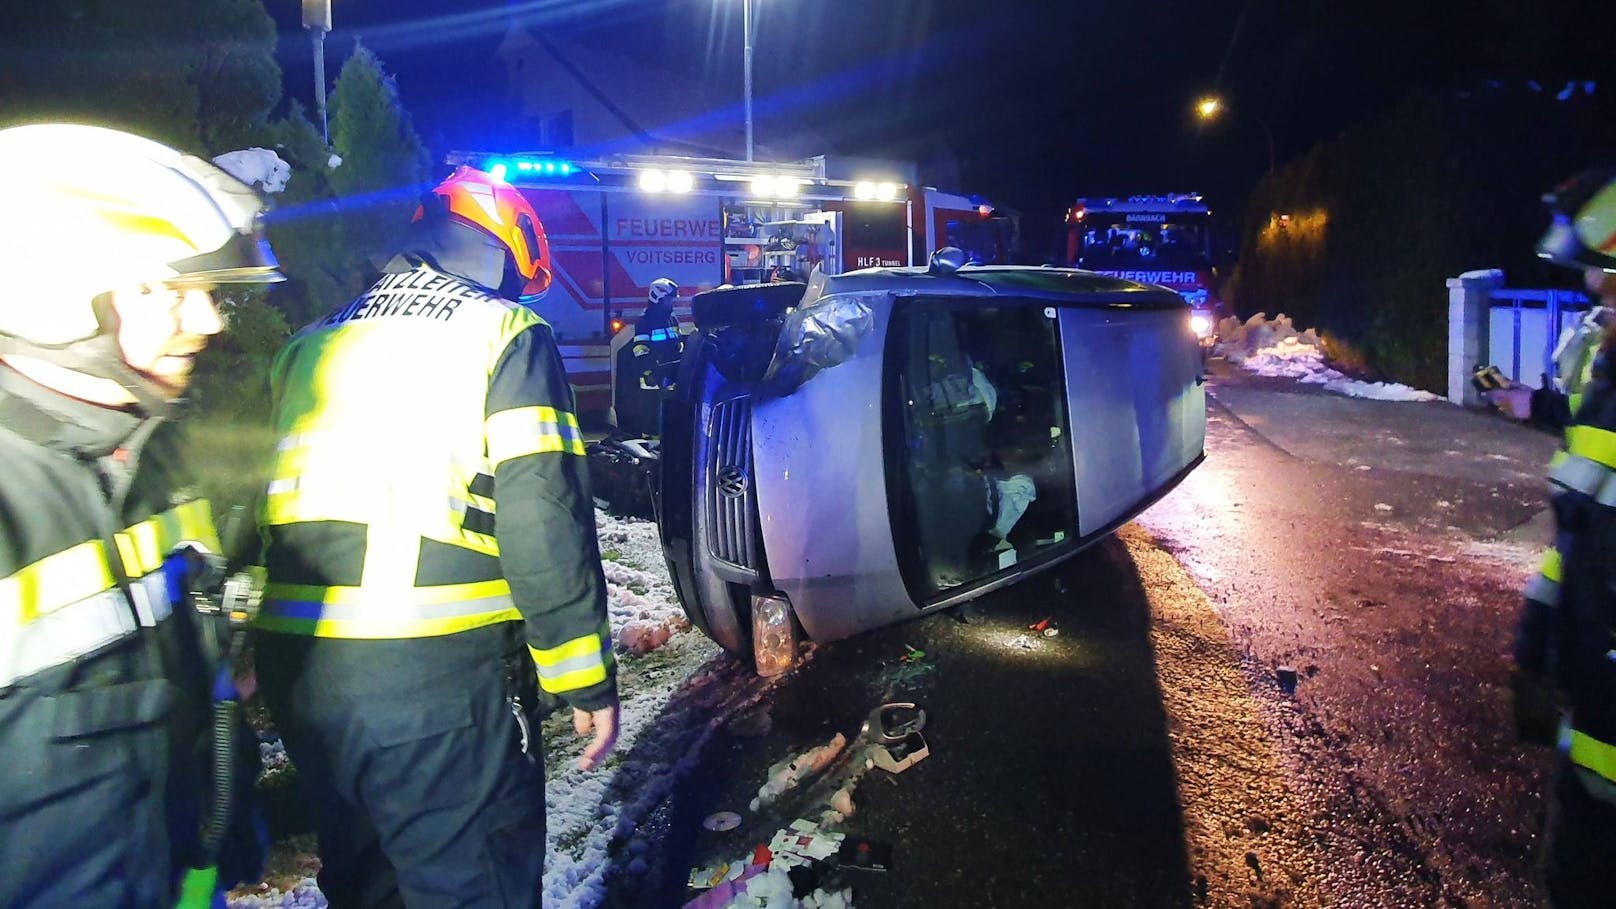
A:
(1568, 623)
(104, 688)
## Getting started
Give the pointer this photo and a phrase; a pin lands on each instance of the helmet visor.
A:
(243, 259)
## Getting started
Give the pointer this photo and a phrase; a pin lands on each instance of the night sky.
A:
(1039, 102)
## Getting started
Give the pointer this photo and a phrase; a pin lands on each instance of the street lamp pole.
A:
(317, 19)
(746, 28)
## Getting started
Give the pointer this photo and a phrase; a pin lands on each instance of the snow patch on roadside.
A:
(1276, 348)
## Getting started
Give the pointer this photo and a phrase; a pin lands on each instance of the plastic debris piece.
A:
(896, 757)
(1041, 624)
(787, 775)
(1052, 631)
(723, 893)
(761, 855)
(1021, 642)
(912, 655)
(722, 820)
(1287, 678)
(709, 877)
(801, 843)
(864, 855)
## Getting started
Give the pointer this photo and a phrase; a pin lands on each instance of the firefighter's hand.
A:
(604, 722)
(1536, 708)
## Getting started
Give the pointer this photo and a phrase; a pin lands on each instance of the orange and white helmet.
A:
(497, 209)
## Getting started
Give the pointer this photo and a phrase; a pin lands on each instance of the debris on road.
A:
(721, 821)
(787, 775)
(1287, 678)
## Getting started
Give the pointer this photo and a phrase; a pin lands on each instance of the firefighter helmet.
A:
(498, 210)
(663, 290)
(89, 210)
(1583, 232)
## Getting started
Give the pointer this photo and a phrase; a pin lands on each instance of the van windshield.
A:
(1144, 242)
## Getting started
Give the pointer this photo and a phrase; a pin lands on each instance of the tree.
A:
(384, 164)
(235, 74)
(106, 62)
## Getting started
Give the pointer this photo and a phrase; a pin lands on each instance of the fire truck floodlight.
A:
(653, 181)
(864, 189)
(680, 181)
(886, 192)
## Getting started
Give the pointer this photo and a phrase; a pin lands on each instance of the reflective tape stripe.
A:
(145, 545)
(1589, 752)
(1578, 474)
(1545, 588)
(277, 487)
(381, 612)
(1593, 443)
(78, 629)
(578, 663)
(1542, 590)
(54, 582)
(532, 430)
(1551, 565)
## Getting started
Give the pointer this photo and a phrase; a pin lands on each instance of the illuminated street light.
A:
(1210, 107)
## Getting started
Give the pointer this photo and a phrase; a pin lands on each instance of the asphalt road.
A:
(1150, 755)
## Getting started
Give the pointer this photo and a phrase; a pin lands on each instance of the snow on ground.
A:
(1276, 348)
(674, 694)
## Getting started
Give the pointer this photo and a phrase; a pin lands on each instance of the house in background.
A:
(592, 102)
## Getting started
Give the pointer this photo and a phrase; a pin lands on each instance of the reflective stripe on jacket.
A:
(430, 479)
(75, 522)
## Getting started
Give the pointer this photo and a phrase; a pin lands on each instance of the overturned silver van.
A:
(871, 447)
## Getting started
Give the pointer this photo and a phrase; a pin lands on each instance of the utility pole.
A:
(317, 19)
(746, 29)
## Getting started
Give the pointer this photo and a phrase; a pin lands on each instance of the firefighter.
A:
(432, 560)
(645, 367)
(110, 246)
(1566, 643)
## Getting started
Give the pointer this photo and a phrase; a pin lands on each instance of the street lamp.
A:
(1210, 107)
(317, 19)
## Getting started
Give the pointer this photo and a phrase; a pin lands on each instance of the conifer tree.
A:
(384, 163)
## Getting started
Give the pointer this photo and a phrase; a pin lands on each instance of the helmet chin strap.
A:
(98, 357)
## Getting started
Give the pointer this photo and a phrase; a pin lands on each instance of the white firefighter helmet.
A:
(663, 289)
(85, 210)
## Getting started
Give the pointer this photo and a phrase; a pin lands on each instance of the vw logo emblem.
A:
(731, 482)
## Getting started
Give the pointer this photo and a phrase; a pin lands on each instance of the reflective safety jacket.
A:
(430, 479)
(82, 545)
(1568, 623)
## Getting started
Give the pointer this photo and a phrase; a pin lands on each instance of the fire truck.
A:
(617, 223)
(1164, 240)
